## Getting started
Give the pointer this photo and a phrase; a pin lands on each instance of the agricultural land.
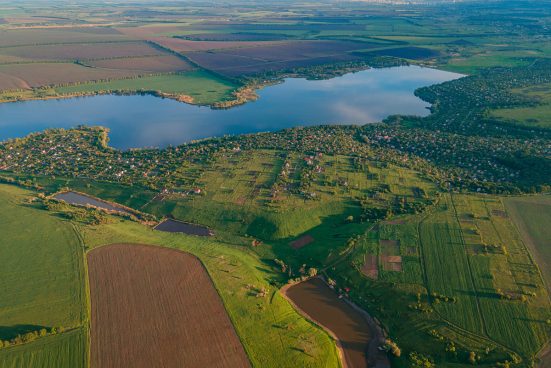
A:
(432, 232)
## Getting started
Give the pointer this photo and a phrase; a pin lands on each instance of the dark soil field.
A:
(180, 45)
(174, 226)
(245, 36)
(59, 35)
(154, 64)
(410, 52)
(157, 307)
(358, 338)
(82, 51)
(45, 74)
(8, 82)
(276, 57)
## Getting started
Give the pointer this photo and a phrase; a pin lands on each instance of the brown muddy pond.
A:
(84, 200)
(358, 335)
(175, 226)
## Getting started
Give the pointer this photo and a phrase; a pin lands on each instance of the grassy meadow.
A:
(273, 334)
(532, 216)
(457, 274)
(67, 350)
(467, 282)
(538, 116)
(202, 86)
(42, 283)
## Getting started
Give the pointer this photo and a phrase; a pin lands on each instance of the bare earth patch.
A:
(157, 307)
(302, 241)
(370, 268)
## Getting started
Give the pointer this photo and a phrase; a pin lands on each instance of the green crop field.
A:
(67, 350)
(538, 116)
(49, 249)
(203, 87)
(532, 216)
(41, 278)
(435, 225)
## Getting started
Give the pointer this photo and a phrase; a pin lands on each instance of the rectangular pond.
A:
(175, 226)
(75, 198)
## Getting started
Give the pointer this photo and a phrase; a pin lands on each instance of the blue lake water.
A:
(146, 121)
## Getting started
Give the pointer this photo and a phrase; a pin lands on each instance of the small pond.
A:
(84, 200)
(174, 226)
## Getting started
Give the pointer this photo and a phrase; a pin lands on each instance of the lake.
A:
(146, 121)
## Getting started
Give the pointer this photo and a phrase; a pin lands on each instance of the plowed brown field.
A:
(157, 307)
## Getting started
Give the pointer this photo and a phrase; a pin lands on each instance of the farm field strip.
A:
(66, 350)
(531, 215)
(42, 285)
(163, 308)
(497, 281)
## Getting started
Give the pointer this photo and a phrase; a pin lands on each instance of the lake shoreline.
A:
(143, 119)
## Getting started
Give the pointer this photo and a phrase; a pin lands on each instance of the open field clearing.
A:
(267, 326)
(463, 263)
(41, 276)
(298, 50)
(408, 52)
(151, 64)
(272, 333)
(8, 59)
(180, 45)
(10, 82)
(265, 193)
(532, 216)
(48, 36)
(41, 285)
(82, 51)
(47, 74)
(251, 60)
(162, 35)
(250, 36)
(67, 350)
(534, 116)
(152, 305)
(202, 86)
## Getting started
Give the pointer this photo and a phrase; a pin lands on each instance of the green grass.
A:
(512, 271)
(442, 252)
(202, 86)
(532, 216)
(41, 280)
(446, 267)
(67, 350)
(474, 63)
(42, 284)
(538, 116)
(273, 334)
